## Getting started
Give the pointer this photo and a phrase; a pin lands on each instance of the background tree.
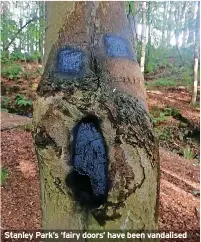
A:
(22, 24)
(196, 56)
(143, 36)
(102, 89)
(164, 22)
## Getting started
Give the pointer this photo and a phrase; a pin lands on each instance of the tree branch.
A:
(28, 22)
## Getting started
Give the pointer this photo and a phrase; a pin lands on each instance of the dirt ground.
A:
(20, 194)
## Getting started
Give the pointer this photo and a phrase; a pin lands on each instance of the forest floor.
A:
(176, 124)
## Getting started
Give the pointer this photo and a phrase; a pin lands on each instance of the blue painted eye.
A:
(117, 46)
(70, 62)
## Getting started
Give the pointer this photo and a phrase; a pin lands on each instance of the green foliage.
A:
(166, 134)
(8, 58)
(171, 111)
(21, 105)
(164, 82)
(11, 71)
(21, 101)
(26, 127)
(16, 55)
(187, 76)
(188, 153)
(174, 65)
(160, 115)
(35, 56)
(4, 103)
(157, 58)
(157, 115)
(4, 175)
(150, 67)
(160, 119)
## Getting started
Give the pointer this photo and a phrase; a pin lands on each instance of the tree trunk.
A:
(177, 29)
(164, 23)
(184, 23)
(132, 17)
(191, 23)
(41, 27)
(149, 33)
(97, 153)
(4, 19)
(196, 56)
(143, 50)
(20, 24)
(169, 23)
(185, 36)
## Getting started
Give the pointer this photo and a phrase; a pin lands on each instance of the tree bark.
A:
(196, 57)
(92, 79)
(143, 50)
(132, 17)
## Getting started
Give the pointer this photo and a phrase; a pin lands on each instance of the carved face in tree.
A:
(91, 104)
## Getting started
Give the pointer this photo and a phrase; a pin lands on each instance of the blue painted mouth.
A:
(90, 162)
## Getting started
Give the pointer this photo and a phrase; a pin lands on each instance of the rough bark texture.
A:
(111, 90)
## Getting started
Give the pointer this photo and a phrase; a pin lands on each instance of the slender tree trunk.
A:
(132, 17)
(177, 29)
(4, 32)
(184, 23)
(191, 25)
(185, 36)
(31, 39)
(97, 153)
(196, 57)
(20, 24)
(41, 27)
(136, 9)
(169, 25)
(149, 33)
(143, 50)
(164, 23)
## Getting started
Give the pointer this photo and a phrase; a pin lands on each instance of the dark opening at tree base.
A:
(89, 178)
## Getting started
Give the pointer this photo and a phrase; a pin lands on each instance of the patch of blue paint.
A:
(117, 46)
(90, 157)
(70, 62)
